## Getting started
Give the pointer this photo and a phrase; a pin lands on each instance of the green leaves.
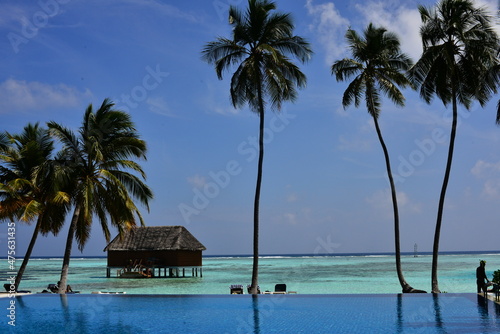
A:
(460, 52)
(261, 47)
(29, 185)
(377, 65)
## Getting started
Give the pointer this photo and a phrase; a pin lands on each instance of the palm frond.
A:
(346, 68)
(354, 92)
(31, 210)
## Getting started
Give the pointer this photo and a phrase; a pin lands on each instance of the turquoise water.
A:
(306, 274)
(416, 313)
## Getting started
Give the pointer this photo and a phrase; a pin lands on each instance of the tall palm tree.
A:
(459, 48)
(377, 65)
(261, 45)
(29, 186)
(103, 177)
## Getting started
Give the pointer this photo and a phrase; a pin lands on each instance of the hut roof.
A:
(152, 238)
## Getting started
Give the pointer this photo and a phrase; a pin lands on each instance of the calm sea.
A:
(306, 274)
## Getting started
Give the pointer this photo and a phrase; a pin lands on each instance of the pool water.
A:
(395, 313)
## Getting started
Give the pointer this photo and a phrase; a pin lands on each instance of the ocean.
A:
(305, 274)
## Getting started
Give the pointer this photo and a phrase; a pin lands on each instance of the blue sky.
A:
(325, 188)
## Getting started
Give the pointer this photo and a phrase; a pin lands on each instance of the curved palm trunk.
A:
(437, 233)
(67, 251)
(404, 285)
(28, 252)
(255, 268)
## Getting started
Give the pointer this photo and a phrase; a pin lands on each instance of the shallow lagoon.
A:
(335, 274)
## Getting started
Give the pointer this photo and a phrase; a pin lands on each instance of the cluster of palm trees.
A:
(459, 65)
(93, 173)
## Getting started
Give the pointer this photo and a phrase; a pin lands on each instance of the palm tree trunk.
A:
(255, 268)
(437, 233)
(67, 251)
(28, 252)
(404, 285)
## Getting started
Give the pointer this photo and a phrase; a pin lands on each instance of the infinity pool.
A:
(420, 313)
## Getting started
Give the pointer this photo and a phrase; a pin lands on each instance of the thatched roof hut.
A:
(156, 247)
(156, 238)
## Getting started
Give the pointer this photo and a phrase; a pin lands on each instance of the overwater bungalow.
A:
(155, 251)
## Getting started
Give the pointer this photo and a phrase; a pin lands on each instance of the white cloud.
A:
(341, 111)
(491, 173)
(484, 169)
(22, 95)
(353, 144)
(197, 181)
(10, 15)
(158, 105)
(225, 110)
(396, 18)
(492, 188)
(292, 197)
(164, 9)
(290, 218)
(382, 201)
(330, 27)
(216, 99)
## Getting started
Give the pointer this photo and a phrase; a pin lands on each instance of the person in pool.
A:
(481, 276)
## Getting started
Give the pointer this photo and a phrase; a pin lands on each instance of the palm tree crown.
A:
(377, 64)
(28, 179)
(260, 45)
(460, 49)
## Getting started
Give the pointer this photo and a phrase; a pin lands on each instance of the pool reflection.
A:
(260, 314)
(255, 306)
(437, 313)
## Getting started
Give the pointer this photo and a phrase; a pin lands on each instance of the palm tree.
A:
(28, 185)
(103, 180)
(378, 65)
(459, 48)
(261, 45)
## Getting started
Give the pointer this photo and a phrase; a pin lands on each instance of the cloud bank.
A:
(21, 95)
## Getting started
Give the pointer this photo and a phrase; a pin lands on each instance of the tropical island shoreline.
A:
(347, 273)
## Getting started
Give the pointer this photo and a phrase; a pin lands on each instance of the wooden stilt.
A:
(163, 271)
